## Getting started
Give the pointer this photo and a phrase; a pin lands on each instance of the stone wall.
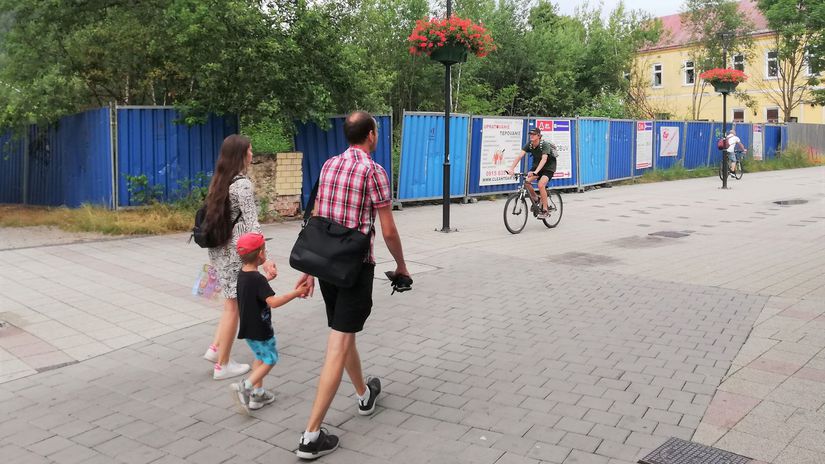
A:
(278, 180)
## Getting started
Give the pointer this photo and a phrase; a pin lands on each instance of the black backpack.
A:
(208, 237)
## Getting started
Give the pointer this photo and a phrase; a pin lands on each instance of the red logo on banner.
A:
(544, 126)
(640, 126)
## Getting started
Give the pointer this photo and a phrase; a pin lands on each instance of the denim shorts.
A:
(265, 351)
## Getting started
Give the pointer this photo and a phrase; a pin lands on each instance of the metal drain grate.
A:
(678, 451)
(790, 202)
(669, 234)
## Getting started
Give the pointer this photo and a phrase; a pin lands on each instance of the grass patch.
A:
(792, 158)
(149, 220)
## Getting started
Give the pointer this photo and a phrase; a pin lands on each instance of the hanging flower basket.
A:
(724, 80)
(449, 54)
(448, 41)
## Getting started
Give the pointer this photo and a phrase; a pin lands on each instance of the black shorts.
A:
(349, 308)
(544, 172)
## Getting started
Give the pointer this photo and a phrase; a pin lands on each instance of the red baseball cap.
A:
(247, 243)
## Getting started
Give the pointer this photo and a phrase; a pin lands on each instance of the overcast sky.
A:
(655, 8)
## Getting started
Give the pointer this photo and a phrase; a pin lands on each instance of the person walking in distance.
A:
(352, 188)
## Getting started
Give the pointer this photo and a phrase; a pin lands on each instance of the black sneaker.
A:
(324, 445)
(366, 408)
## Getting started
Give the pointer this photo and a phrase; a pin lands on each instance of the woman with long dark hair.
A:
(230, 200)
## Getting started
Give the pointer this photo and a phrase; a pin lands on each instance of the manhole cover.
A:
(790, 202)
(678, 451)
(669, 234)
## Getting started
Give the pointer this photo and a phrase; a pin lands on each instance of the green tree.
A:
(799, 45)
(714, 25)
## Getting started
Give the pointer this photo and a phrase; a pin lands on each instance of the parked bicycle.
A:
(516, 211)
(736, 173)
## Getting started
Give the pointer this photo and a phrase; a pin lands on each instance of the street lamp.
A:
(445, 213)
(725, 37)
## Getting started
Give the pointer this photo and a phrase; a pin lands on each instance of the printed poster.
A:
(558, 133)
(500, 144)
(644, 144)
(668, 141)
(756, 141)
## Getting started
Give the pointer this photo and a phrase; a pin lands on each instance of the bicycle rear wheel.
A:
(515, 213)
(555, 209)
(739, 171)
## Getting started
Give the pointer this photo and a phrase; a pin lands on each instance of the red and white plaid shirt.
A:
(351, 187)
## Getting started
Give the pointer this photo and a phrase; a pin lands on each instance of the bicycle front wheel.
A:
(739, 171)
(555, 209)
(722, 168)
(515, 213)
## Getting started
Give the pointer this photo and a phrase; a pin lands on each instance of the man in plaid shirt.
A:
(351, 190)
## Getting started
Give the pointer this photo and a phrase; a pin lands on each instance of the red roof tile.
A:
(676, 34)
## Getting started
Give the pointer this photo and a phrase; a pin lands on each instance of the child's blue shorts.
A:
(265, 351)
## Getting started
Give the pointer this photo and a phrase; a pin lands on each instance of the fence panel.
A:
(562, 133)
(318, 145)
(45, 182)
(593, 141)
(622, 141)
(698, 141)
(85, 147)
(809, 136)
(668, 143)
(150, 142)
(493, 152)
(744, 132)
(718, 133)
(773, 140)
(420, 174)
(11, 168)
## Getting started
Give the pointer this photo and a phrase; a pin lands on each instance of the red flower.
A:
(455, 31)
(724, 75)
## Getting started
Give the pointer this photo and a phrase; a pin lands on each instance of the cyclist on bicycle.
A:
(735, 147)
(543, 154)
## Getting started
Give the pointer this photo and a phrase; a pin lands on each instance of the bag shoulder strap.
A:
(240, 211)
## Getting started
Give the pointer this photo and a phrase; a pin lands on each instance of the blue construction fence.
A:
(85, 158)
(592, 151)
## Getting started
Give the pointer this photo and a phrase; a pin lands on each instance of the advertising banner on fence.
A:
(644, 144)
(668, 141)
(756, 141)
(500, 144)
(558, 133)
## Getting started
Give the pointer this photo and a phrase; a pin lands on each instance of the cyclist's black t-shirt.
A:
(544, 147)
(255, 315)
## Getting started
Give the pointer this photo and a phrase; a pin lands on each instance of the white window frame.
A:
(733, 113)
(778, 110)
(807, 64)
(661, 76)
(768, 64)
(685, 72)
(733, 60)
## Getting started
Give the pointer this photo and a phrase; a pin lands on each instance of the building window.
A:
(689, 73)
(809, 71)
(772, 115)
(739, 115)
(626, 75)
(657, 75)
(772, 66)
(739, 62)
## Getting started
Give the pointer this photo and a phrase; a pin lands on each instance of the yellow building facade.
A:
(666, 73)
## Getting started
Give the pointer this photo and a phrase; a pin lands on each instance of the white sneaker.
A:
(211, 355)
(229, 370)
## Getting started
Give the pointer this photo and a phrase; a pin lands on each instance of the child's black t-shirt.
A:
(255, 315)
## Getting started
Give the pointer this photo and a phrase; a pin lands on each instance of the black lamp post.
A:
(445, 213)
(725, 36)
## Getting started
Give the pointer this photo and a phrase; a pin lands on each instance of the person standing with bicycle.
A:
(543, 154)
(735, 147)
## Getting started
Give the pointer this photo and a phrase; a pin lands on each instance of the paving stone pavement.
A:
(590, 343)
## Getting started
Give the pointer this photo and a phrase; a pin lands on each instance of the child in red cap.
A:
(255, 299)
